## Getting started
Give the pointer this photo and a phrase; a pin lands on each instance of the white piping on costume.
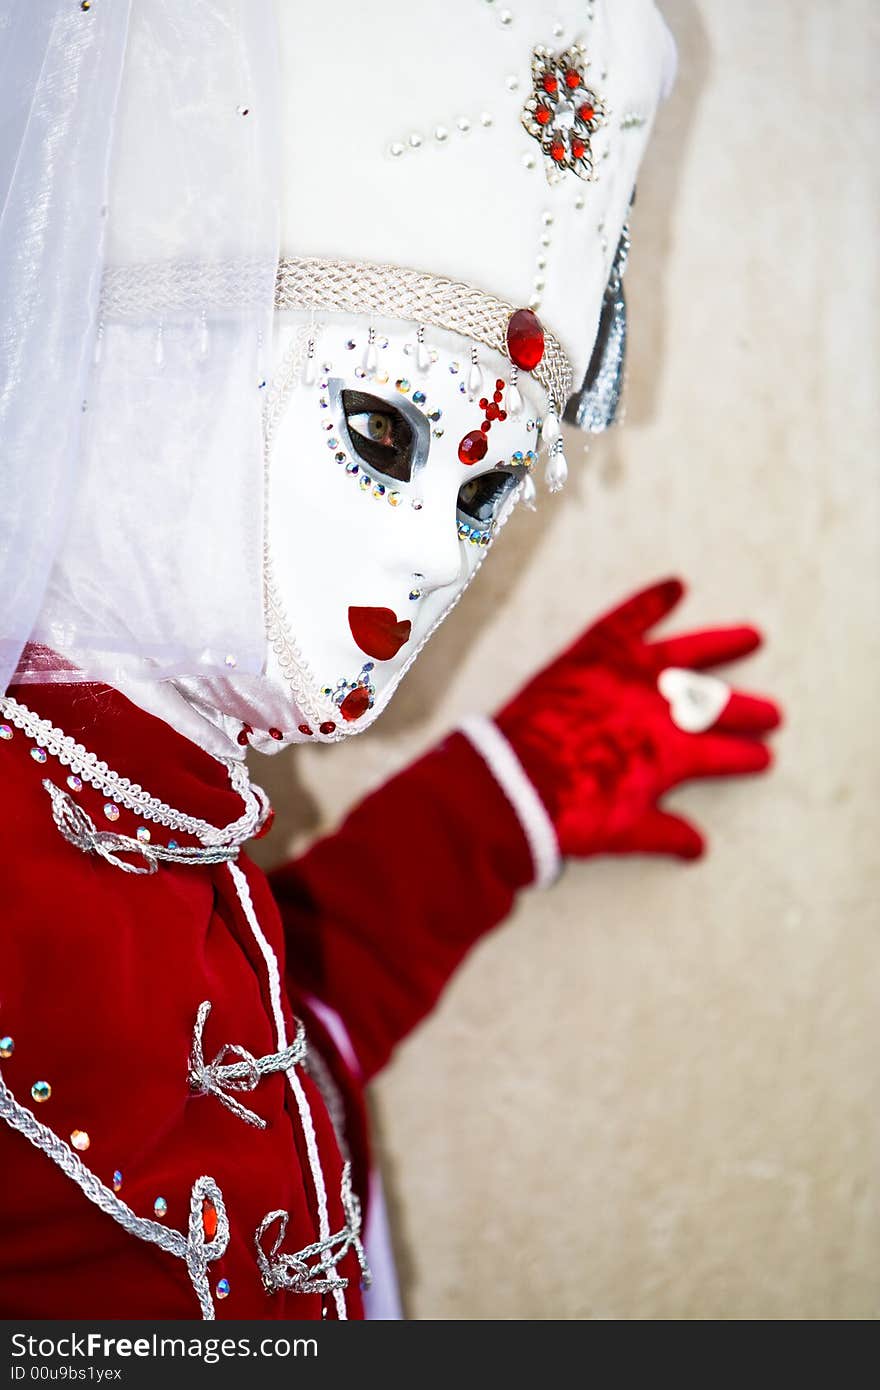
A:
(242, 888)
(501, 760)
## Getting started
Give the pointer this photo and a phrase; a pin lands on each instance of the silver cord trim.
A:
(217, 1077)
(193, 1248)
(292, 1271)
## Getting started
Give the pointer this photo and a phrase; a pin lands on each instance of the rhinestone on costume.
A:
(111, 810)
(117, 1180)
(473, 447)
(419, 397)
(80, 1140)
(41, 1090)
(402, 385)
(276, 734)
(143, 834)
(172, 844)
(328, 727)
(74, 782)
(7, 1046)
(222, 1288)
(5, 732)
(209, 1218)
(395, 499)
(160, 1207)
(304, 729)
(525, 339)
(39, 755)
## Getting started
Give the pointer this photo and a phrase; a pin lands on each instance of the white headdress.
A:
(167, 182)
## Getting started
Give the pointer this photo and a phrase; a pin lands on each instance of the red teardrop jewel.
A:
(209, 1218)
(304, 728)
(328, 727)
(542, 114)
(557, 151)
(586, 112)
(244, 735)
(267, 825)
(276, 734)
(356, 703)
(473, 447)
(549, 83)
(572, 79)
(578, 147)
(525, 342)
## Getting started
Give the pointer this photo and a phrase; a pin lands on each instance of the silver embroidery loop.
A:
(199, 1251)
(293, 1272)
(217, 1077)
(80, 830)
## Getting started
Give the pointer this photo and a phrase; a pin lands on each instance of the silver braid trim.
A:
(390, 291)
(293, 1272)
(217, 1077)
(359, 287)
(133, 797)
(80, 830)
(193, 1248)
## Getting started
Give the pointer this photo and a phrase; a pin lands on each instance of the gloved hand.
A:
(601, 744)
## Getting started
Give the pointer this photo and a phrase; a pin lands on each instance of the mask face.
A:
(376, 517)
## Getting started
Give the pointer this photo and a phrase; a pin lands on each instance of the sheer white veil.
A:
(139, 139)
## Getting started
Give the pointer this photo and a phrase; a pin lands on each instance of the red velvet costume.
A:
(104, 973)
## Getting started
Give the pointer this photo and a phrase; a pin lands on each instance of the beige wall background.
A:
(654, 1092)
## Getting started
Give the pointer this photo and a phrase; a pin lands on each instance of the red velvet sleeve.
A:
(378, 915)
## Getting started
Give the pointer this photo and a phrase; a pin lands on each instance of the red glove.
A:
(602, 745)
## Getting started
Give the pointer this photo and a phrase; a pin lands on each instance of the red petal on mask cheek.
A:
(378, 632)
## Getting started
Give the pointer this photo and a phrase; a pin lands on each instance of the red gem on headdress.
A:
(557, 151)
(549, 83)
(542, 114)
(492, 411)
(356, 702)
(525, 339)
(327, 727)
(586, 112)
(578, 147)
(276, 734)
(261, 833)
(473, 447)
(304, 728)
(572, 78)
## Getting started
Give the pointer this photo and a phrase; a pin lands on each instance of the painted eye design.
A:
(480, 499)
(380, 434)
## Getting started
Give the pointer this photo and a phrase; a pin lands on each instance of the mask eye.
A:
(382, 437)
(481, 499)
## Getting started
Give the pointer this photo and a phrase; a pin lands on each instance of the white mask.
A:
(375, 525)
